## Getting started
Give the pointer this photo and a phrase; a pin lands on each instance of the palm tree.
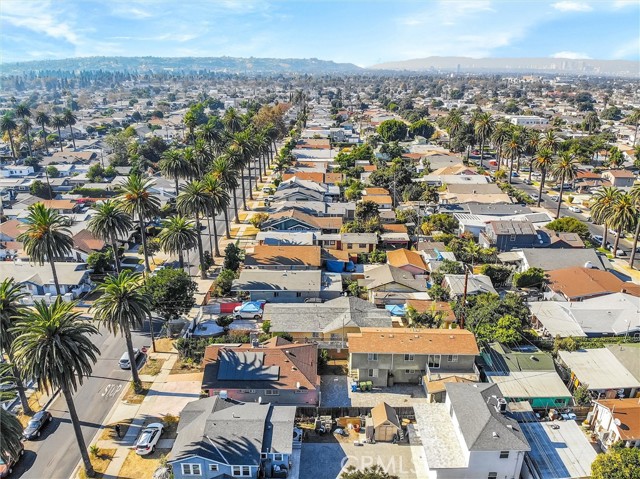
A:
(635, 194)
(43, 120)
(499, 137)
(178, 234)
(473, 249)
(242, 148)
(532, 140)
(25, 129)
(453, 123)
(8, 125)
(109, 222)
(601, 209)
(195, 200)
(10, 311)
(52, 345)
(219, 198)
(565, 168)
(70, 120)
(543, 161)
(23, 112)
(11, 437)
(174, 165)
(483, 127)
(202, 156)
(214, 136)
(634, 119)
(591, 122)
(137, 200)
(232, 121)
(123, 305)
(623, 216)
(58, 122)
(550, 141)
(46, 237)
(514, 148)
(223, 169)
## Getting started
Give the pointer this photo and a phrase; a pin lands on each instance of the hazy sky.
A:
(364, 32)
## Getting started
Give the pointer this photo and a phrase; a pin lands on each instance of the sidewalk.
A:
(622, 266)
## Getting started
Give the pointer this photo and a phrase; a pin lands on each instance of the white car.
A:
(266, 189)
(575, 209)
(148, 439)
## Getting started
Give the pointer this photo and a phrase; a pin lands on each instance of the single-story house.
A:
(37, 280)
(283, 258)
(579, 283)
(407, 260)
(389, 279)
(476, 284)
(288, 286)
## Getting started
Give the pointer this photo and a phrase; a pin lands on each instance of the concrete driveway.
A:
(333, 389)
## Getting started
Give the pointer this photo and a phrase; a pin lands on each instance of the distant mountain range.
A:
(515, 65)
(184, 64)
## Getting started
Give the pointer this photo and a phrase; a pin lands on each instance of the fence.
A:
(307, 413)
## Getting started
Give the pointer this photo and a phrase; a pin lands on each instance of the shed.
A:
(383, 424)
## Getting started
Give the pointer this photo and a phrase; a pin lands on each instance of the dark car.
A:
(35, 425)
(6, 467)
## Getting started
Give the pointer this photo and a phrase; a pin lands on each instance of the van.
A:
(124, 360)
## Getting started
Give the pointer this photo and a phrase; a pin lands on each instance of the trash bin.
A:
(369, 385)
(354, 386)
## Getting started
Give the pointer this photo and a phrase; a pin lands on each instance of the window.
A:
(512, 238)
(492, 475)
(315, 335)
(271, 392)
(277, 457)
(298, 295)
(410, 371)
(330, 242)
(504, 454)
(276, 294)
(373, 373)
(335, 337)
(248, 391)
(213, 467)
(263, 455)
(408, 357)
(349, 245)
(433, 361)
(372, 356)
(189, 469)
(362, 245)
(241, 471)
(453, 358)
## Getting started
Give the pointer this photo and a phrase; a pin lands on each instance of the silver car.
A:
(149, 438)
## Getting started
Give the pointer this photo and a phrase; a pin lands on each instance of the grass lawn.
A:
(185, 367)
(152, 366)
(165, 345)
(109, 433)
(100, 463)
(138, 467)
(131, 397)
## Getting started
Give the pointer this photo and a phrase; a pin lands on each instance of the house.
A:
(549, 259)
(356, 243)
(528, 120)
(285, 238)
(296, 220)
(608, 315)
(558, 239)
(275, 371)
(60, 206)
(85, 243)
(508, 235)
(525, 374)
(465, 193)
(407, 260)
(384, 202)
(326, 324)
(402, 355)
(37, 280)
(288, 286)
(629, 355)
(442, 308)
(475, 284)
(220, 438)
(472, 434)
(600, 372)
(16, 171)
(389, 279)
(283, 257)
(383, 425)
(578, 284)
(616, 420)
(10, 230)
(620, 178)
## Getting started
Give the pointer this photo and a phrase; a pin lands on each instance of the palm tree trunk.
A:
(116, 260)
(44, 138)
(17, 378)
(29, 141)
(604, 235)
(250, 184)
(244, 193)
(203, 272)
(481, 150)
(259, 168)
(72, 137)
(544, 174)
(511, 170)
(137, 385)
(215, 236)
(635, 243)
(53, 271)
(177, 187)
(88, 467)
(209, 235)
(235, 205)
(143, 235)
(617, 241)
(181, 259)
(530, 168)
(13, 148)
(60, 139)
(226, 222)
(560, 197)
(635, 134)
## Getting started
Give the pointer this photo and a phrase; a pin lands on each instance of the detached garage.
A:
(383, 424)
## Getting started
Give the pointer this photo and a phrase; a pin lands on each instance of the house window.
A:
(492, 475)
(453, 358)
(349, 245)
(512, 238)
(277, 457)
(263, 455)
(362, 245)
(271, 392)
(248, 391)
(410, 371)
(276, 294)
(372, 356)
(408, 357)
(213, 467)
(373, 373)
(504, 454)
(335, 337)
(315, 335)
(189, 469)
(241, 471)
(331, 242)
(298, 295)
(433, 361)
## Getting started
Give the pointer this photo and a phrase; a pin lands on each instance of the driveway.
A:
(333, 391)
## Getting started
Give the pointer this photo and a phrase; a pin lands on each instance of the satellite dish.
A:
(617, 422)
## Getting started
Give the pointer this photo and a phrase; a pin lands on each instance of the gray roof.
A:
(386, 274)
(325, 317)
(483, 427)
(69, 274)
(496, 210)
(245, 366)
(629, 355)
(512, 228)
(550, 259)
(476, 284)
(359, 238)
(265, 280)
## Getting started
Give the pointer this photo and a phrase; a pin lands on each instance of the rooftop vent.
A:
(502, 405)
(495, 435)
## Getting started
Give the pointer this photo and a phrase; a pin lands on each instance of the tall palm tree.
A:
(174, 165)
(137, 200)
(10, 311)
(178, 234)
(453, 122)
(499, 138)
(532, 140)
(214, 136)
(623, 216)
(243, 148)
(565, 168)
(52, 345)
(202, 157)
(219, 198)
(223, 169)
(23, 112)
(514, 147)
(123, 305)
(195, 200)
(46, 237)
(543, 161)
(25, 129)
(70, 119)
(232, 121)
(483, 127)
(11, 437)
(601, 209)
(58, 122)
(43, 119)
(550, 141)
(635, 195)
(8, 125)
(109, 222)
(634, 119)
(591, 122)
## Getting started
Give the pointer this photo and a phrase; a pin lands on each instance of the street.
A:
(55, 454)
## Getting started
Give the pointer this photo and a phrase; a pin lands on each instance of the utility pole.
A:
(464, 298)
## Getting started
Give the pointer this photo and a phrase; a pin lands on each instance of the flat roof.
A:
(560, 453)
(599, 369)
(441, 445)
(530, 384)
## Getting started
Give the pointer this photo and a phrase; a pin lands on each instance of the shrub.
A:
(530, 277)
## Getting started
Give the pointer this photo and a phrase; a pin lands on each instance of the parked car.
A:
(535, 196)
(249, 310)
(619, 252)
(575, 209)
(527, 181)
(597, 238)
(124, 362)
(555, 198)
(148, 439)
(6, 467)
(266, 189)
(36, 424)
(514, 174)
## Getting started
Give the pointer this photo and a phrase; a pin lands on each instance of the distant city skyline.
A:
(358, 31)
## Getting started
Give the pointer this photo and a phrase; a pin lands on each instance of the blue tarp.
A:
(395, 309)
(335, 266)
(251, 307)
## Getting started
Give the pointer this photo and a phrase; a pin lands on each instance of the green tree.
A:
(171, 292)
(232, 257)
(11, 437)
(531, 277)
(100, 262)
(58, 122)
(219, 201)
(195, 200)
(565, 168)
(224, 282)
(46, 238)
(392, 130)
(582, 395)
(223, 169)
(123, 305)
(602, 207)
(422, 128)
(52, 345)
(617, 464)
(623, 216)
(178, 234)
(443, 222)
(483, 125)
(52, 171)
(8, 126)
(41, 190)
(497, 273)
(635, 196)
(70, 120)
(174, 165)
(568, 224)
(543, 162)
(23, 112)
(109, 222)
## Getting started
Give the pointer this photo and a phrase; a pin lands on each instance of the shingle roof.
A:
(550, 259)
(265, 255)
(265, 280)
(579, 282)
(627, 411)
(403, 257)
(418, 341)
(386, 274)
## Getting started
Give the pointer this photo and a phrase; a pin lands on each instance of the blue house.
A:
(221, 438)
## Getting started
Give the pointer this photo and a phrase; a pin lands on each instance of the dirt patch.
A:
(109, 432)
(100, 462)
(136, 467)
(165, 345)
(334, 367)
(182, 366)
(131, 397)
(152, 366)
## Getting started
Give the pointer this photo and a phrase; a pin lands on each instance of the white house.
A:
(528, 120)
(20, 171)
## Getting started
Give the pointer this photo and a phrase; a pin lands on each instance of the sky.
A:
(364, 32)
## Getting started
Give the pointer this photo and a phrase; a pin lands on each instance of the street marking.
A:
(111, 390)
